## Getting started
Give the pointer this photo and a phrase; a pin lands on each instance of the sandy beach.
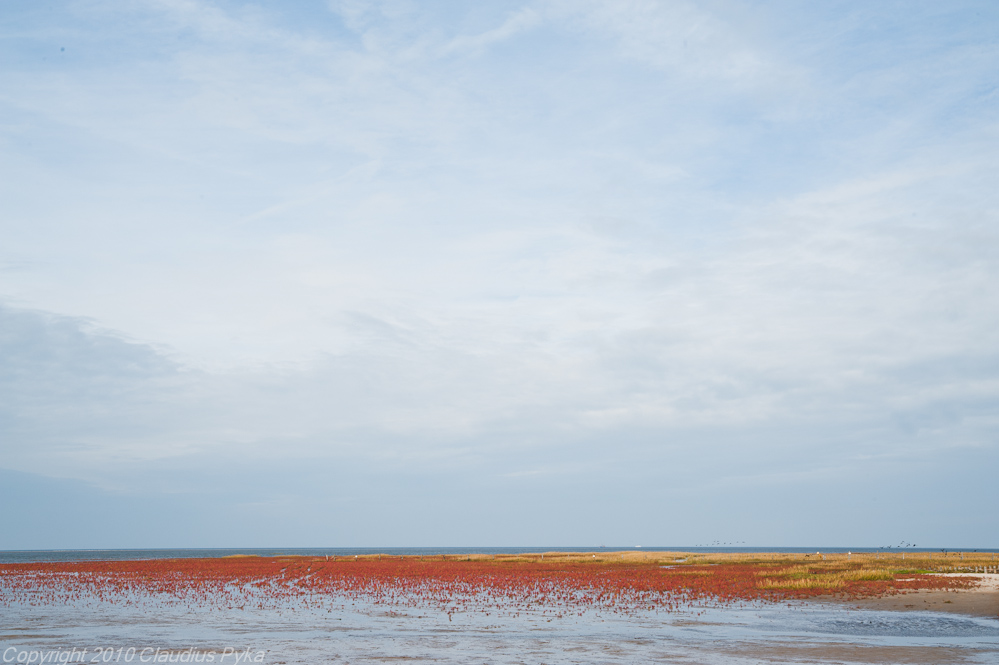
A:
(981, 601)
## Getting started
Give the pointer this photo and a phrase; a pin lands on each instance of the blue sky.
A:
(436, 273)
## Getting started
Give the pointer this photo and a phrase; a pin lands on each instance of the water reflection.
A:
(358, 632)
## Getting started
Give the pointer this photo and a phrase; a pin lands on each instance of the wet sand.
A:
(856, 653)
(982, 601)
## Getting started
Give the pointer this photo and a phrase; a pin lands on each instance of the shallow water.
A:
(365, 633)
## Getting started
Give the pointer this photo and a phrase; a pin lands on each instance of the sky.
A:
(555, 272)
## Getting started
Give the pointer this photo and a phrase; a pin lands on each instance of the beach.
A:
(981, 601)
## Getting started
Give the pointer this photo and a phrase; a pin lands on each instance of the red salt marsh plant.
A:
(555, 586)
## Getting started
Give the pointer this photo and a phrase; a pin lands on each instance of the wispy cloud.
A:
(520, 21)
(597, 244)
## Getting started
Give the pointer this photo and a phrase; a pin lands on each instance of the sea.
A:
(356, 631)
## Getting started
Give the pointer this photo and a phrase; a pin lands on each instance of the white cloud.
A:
(596, 251)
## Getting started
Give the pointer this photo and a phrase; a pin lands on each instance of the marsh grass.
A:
(832, 566)
(774, 571)
(815, 577)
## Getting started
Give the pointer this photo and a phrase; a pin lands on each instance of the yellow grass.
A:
(814, 577)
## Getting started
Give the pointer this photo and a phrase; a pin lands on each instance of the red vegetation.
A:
(449, 585)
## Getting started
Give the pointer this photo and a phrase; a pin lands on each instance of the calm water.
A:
(364, 633)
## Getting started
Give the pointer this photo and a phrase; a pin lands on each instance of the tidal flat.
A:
(620, 608)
